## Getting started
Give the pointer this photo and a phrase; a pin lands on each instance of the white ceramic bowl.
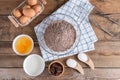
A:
(34, 65)
(14, 41)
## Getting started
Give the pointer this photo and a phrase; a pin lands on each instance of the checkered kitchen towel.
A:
(79, 11)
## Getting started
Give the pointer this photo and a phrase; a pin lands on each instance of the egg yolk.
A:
(23, 45)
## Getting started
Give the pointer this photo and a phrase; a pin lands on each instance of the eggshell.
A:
(24, 19)
(26, 6)
(29, 12)
(17, 13)
(37, 8)
(32, 2)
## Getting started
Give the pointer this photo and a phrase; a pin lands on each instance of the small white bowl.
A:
(14, 41)
(34, 65)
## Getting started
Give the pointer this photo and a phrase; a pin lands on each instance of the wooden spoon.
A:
(86, 59)
(75, 65)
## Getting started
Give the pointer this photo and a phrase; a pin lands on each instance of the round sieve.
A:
(51, 19)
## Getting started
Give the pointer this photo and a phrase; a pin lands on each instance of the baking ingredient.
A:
(83, 57)
(24, 19)
(17, 13)
(37, 8)
(23, 45)
(75, 65)
(32, 2)
(86, 59)
(71, 63)
(60, 36)
(34, 65)
(26, 6)
(56, 69)
(29, 12)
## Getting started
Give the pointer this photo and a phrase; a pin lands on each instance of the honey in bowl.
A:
(23, 44)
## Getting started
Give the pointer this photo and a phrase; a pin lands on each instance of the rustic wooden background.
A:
(106, 56)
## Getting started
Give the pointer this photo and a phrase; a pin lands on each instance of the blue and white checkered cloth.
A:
(79, 10)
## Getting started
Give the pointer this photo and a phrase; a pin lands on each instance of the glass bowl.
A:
(16, 21)
(55, 17)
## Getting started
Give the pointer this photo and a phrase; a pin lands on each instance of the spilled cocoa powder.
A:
(60, 36)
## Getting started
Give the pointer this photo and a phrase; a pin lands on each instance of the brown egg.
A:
(24, 19)
(32, 2)
(26, 6)
(17, 13)
(37, 8)
(29, 12)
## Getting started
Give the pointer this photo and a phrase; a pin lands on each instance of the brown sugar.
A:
(60, 36)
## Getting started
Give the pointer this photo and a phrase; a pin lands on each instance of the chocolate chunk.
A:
(56, 69)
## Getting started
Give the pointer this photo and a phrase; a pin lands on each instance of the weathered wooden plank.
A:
(103, 5)
(107, 6)
(101, 37)
(107, 67)
(54, 4)
(6, 27)
(107, 25)
(7, 48)
(69, 74)
(107, 48)
(6, 6)
(101, 48)
(9, 59)
(99, 60)
(8, 31)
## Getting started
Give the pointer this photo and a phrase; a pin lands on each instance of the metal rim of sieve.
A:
(78, 33)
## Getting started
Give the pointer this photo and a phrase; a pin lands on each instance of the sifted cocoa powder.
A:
(60, 36)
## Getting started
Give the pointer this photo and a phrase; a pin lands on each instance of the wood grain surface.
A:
(106, 56)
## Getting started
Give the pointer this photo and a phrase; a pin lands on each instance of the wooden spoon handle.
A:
(90, 63)
(79, 68)
(87, 61)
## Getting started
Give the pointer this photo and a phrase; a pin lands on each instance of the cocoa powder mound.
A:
(60, 36)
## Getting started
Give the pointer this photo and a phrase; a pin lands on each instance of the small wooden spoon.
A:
(86, 59)
(75, 65)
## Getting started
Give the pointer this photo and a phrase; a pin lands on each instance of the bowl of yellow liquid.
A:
(23, 45)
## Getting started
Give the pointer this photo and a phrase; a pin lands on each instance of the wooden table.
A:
(106, 56)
